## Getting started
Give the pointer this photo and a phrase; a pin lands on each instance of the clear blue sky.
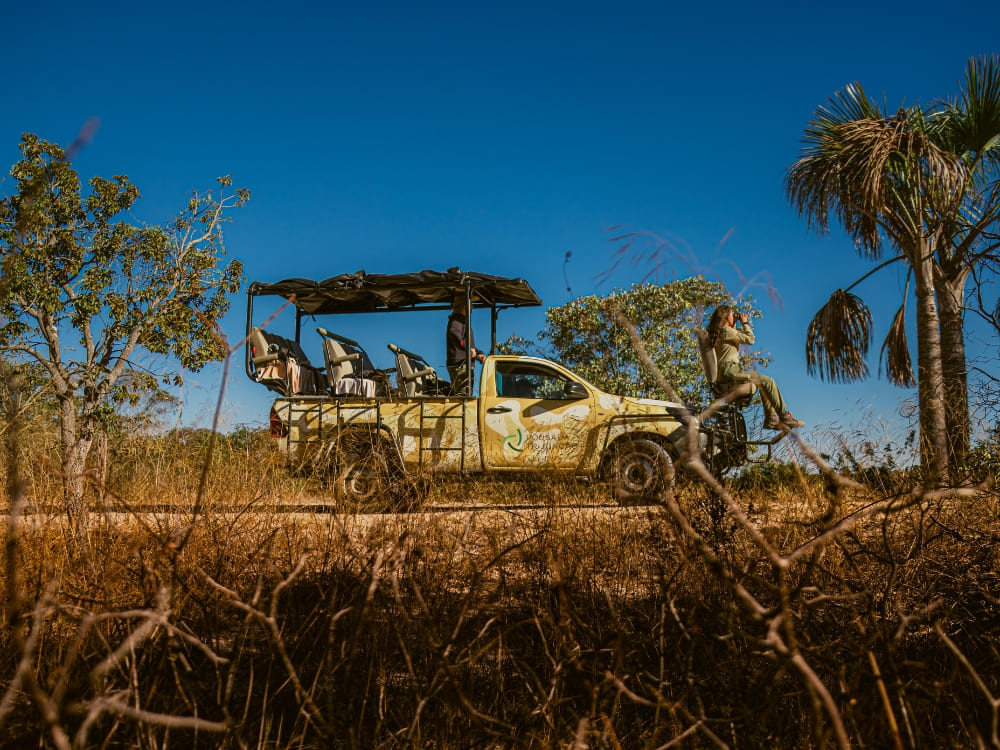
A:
(496, 137)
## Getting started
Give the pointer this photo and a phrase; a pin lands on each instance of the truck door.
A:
(537, 417)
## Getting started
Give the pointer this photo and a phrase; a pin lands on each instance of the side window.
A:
(530, 382)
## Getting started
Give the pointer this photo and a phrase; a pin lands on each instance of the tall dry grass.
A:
(814, 611)
(549, 627)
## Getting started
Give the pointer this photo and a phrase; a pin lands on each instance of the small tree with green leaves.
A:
(110, 310)
(587, 336)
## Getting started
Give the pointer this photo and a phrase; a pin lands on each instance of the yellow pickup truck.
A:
(368, 429)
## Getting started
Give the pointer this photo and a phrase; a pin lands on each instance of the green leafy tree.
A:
(107, 309)
(587, 336)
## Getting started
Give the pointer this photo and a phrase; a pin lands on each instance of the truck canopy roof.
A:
(362, 292)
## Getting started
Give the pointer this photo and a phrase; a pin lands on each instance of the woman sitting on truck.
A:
(724, 337)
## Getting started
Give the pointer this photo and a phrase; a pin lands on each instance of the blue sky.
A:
(494, 137)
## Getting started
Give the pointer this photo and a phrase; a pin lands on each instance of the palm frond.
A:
(871, 170)
(838, 339)
(896, 352)
(980, 104)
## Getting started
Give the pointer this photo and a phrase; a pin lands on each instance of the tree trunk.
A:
(10, 390)
(951, 298)
(933, 422)
(77, 437)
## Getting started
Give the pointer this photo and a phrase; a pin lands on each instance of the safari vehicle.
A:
(371, 430)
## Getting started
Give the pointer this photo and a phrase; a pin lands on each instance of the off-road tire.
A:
(366, 481)
(640, 471)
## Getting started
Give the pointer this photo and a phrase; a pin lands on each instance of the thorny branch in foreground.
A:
(779, 621)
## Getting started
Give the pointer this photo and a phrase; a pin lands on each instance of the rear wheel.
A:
(366, 480)
(640, 470)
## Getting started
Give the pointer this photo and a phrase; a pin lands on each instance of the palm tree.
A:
(970, 128)
(879, 175)
(926, 182)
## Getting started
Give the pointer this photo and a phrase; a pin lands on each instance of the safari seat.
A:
(349, 369)
(414, 377)
(282, 366)
(738, 391)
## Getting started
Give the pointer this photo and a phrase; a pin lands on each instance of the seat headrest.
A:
(400, 350)
(412, 370)
(708, 359)
(267, 347)
(340, 346)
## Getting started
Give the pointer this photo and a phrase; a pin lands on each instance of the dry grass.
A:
(794, 617)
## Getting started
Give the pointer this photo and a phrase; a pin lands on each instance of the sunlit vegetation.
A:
(801, 610)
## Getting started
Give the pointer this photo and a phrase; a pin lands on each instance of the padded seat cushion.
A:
(355, 387)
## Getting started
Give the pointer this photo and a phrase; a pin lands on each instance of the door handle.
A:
(498, 410)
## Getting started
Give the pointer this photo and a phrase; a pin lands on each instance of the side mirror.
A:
(574, 390)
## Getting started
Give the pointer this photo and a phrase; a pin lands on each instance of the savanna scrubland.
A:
(163, 591)
(796, 609)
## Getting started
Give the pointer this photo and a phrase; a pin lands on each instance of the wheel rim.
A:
(366, 478)
(637, 473)
(640, 470)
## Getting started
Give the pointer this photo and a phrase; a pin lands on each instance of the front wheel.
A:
(640, 470)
